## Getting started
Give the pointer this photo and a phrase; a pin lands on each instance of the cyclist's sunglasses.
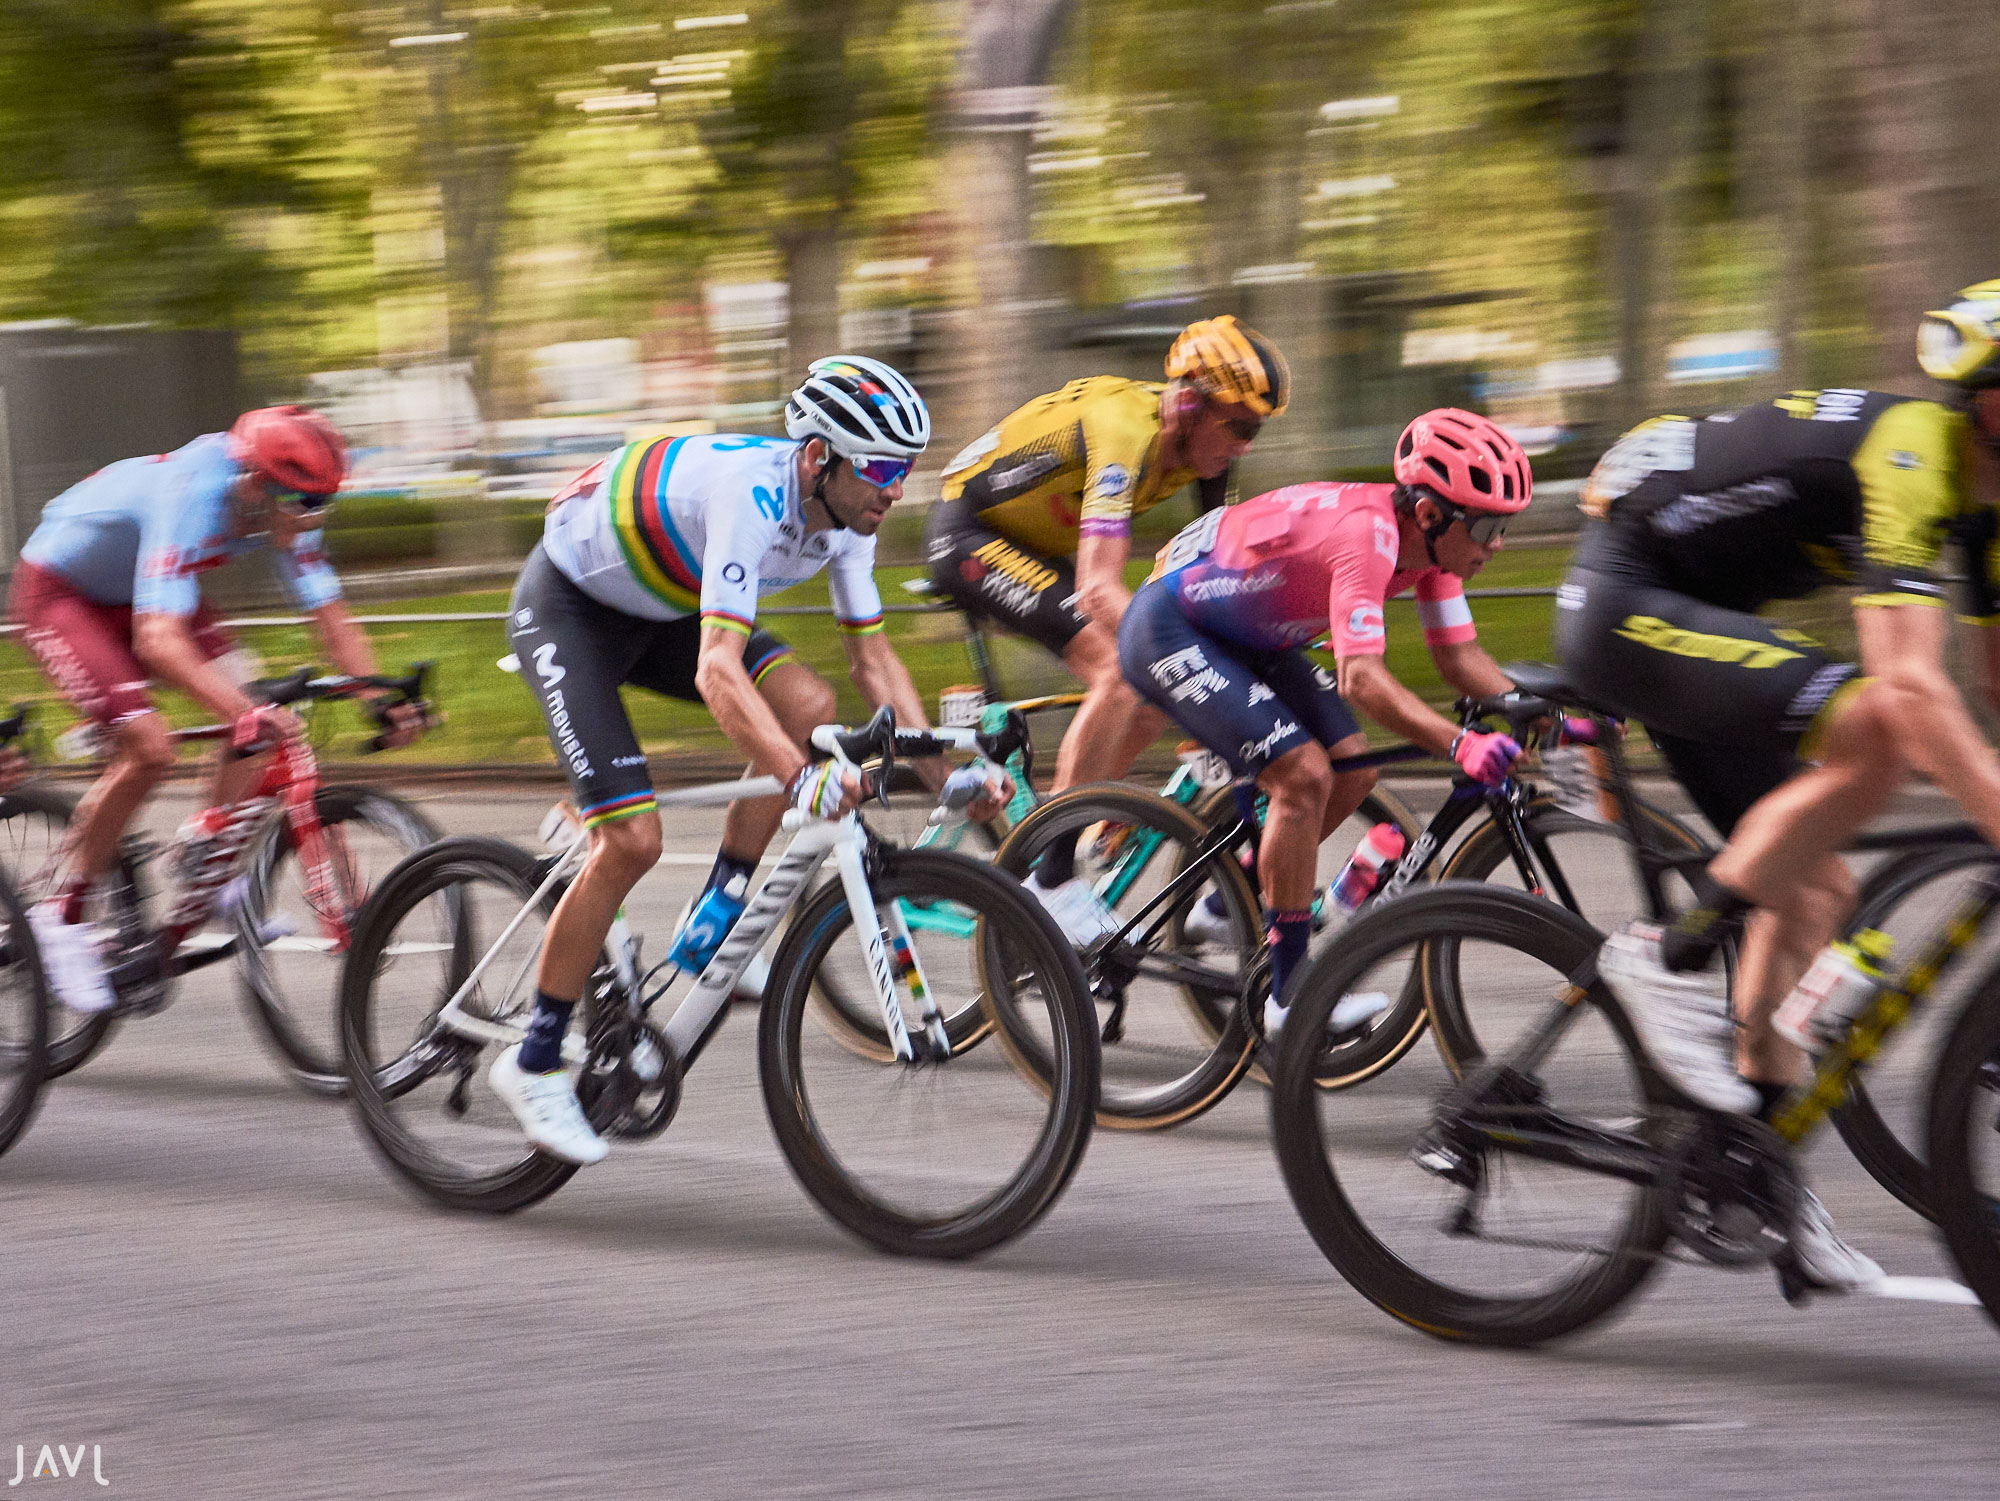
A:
(1484, 527)
(304, 504)
(1244, 427)
(879, 472)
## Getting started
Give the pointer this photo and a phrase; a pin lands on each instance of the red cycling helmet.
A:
(293, 447)
(1462, 458)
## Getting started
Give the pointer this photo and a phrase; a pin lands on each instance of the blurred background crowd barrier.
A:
(494, 240)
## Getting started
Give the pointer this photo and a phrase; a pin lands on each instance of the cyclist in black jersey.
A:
(1787, 749)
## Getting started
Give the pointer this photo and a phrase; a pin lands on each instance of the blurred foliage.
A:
(353, 182)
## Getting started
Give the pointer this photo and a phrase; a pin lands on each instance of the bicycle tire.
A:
(24, 1060)
(1008, 921)
(1396, 1031)
(1961, 1118)
(1481, 853)
(314, 1065)
(851, 1018)
(1220, 1058)
(375, 1085)
(1859, 1120)
(75, 1037)
(1555, 938)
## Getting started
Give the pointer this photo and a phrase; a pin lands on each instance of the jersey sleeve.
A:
(1442, 607)
(1913, 467)
(850, 578)
(305, 572)
(1363, 560)
(174, 520)
(738, 537)
(1114, 452)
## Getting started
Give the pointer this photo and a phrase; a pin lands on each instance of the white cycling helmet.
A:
(861, 407)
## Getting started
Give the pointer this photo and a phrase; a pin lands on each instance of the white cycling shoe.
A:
(547, 1108)
(1354, 1010)
(72, 959)
(1207, 924)
(1682, 1018)
(1079, 911)
(1828, 1262)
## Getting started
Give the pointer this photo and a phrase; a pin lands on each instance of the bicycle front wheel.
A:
(1963, 1142)
(1169, 1009)
(25, 1008)
(419, 1088)
(291, 940)
(940, 1157)
(851, 1015)
(1441, 1210)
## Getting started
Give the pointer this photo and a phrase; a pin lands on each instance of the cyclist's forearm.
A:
(1100, 579)
(1367, 683)
(880, 678)
(347, 645)
(1469, 668)
(167, 648)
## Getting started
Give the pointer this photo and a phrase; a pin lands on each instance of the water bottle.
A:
(707, 924)
(1817, 1013)
(1382, 847)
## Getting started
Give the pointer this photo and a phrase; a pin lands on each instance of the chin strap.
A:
(819, 492)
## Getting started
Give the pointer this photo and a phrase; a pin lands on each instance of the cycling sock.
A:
(73, 898)
(1286, 932)
(1695, 936)
(727, 868)
(1768, 1096)
(542, 1052)
(1058, 862)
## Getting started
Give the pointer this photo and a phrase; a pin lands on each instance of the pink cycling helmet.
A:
(293, 447)
(1462, 458)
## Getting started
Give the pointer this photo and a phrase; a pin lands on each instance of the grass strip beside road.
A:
(491, 717)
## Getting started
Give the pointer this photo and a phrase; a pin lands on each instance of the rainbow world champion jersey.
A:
(672, 527)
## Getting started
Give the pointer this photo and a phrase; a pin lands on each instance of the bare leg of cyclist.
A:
(1299, 786)
(803, 701)
(1350, 788)
(1113, 725)
(143, 758)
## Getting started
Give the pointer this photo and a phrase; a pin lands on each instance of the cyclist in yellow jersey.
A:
(1035, 527)
(1786, 749)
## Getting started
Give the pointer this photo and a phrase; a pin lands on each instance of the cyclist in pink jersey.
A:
(1216, 638)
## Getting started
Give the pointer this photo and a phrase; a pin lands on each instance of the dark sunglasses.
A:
(1484, 527)
(304, 504)
(879, 472)
(1244, 429)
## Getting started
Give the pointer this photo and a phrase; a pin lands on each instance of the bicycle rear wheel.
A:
(419, 1090)
(1484, 1243)
(943, 1158)
(33, 823)
(25, 1010)
(291, 984)
(1169, 1011)
(1963, 1142)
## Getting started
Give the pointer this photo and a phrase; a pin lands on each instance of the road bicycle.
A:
(929, 1153)
(1554, 1169)
(1181, 1015)
(274, 885)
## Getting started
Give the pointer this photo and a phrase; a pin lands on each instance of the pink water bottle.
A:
(1382, 847)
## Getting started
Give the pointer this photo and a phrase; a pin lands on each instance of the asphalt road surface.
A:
(211, 1281)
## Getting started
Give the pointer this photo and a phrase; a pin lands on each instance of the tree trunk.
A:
(1928, 105)
(812, 269)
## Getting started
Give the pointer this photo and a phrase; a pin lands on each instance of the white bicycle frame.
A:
(700, 1009)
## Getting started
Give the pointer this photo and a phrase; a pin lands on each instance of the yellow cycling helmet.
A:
(1230, 361)
(1961, 343)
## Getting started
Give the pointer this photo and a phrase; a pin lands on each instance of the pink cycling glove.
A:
(1485, 757)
